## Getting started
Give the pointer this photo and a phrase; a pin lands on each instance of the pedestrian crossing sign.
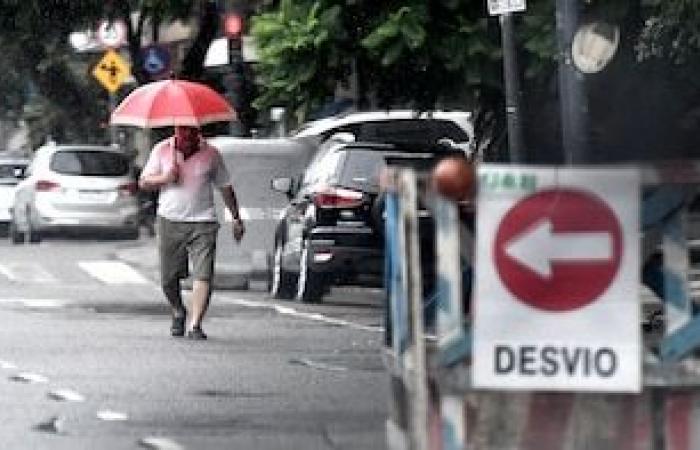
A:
(112, 71)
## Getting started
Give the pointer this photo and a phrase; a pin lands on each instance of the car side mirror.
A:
(283, 185)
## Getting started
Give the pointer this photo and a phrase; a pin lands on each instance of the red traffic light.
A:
(233, 25)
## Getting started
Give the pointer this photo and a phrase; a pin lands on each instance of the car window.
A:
(411, 130)
(361, 169)
(89, 163)
(323, 170)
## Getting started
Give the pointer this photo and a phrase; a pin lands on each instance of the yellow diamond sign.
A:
(112, 71)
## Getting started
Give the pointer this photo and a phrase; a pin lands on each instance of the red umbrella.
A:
(170, 103)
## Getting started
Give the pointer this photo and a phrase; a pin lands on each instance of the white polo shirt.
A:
(191, 199)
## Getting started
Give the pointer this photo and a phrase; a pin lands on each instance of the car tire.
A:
(281, 282)
(310, 285)
(16, 236)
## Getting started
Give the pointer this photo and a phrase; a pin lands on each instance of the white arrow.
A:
(538, 247)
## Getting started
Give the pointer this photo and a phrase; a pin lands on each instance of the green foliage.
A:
(671, 30)
(408, 52)
(44, 81)
(300, 50)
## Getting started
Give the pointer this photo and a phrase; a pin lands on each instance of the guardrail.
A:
(434, 402)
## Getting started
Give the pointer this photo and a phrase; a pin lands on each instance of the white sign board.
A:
(498, 7)
(112, 34)
(556, 299)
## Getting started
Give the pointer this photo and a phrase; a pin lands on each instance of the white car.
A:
(75, 186)
(12, 171)
(393, 126)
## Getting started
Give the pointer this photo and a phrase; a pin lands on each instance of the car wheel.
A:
(310, 285)
(16, 236)
(281, 282)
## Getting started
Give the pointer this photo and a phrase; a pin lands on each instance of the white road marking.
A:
(286, 310)
(317, 365)
(27, 272)
(112, 416)
(7, 365)
(160, 443)
(36, 302)
(255, 214)
(113, 272)
(66, 395)
(29, 377)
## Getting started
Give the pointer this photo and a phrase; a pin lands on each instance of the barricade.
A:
(433, 402)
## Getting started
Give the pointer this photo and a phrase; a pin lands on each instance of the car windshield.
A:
(411, 130)
(89, 163)
(361, 168)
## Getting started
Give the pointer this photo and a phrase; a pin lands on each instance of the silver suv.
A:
(75, 186)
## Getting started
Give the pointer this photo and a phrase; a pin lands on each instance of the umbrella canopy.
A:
(172, 103)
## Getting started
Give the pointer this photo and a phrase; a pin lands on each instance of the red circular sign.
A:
(558, 249)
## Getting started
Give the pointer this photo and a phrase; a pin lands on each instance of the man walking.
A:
(185, 168)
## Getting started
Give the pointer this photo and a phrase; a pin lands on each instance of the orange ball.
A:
(454, 178)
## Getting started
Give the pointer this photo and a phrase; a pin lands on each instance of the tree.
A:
(412, 52)
(429, 54)
(51, 78)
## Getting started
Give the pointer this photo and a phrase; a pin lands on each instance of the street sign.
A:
(498, 7)
(541, 252)
(556, 303)
(112, 33)
(112, 71)
(156, 60)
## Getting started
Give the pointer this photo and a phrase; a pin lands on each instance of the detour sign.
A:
(556, 301)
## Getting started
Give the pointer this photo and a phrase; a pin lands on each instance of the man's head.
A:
(187, 138)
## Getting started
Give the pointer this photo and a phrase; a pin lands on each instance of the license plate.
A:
(93, 196)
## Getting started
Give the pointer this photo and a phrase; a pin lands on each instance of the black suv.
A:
(332, 232)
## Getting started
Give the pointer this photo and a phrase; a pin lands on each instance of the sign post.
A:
(556, 305)
(505, 9)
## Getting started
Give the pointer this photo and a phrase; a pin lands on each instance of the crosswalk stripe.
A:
(255, 214)
(113, 272)
(27, 272)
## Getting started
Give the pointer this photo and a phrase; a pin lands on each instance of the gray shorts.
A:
(182, 243)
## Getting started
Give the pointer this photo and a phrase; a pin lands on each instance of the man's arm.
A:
(229, 197)
(157, 181)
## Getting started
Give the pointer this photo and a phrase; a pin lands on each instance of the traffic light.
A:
(238, 81)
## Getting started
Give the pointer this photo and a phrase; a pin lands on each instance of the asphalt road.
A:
(86, 360)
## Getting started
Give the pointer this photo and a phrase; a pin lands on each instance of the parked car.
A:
(332, 232)
(12, 169)
(393, 126)
(75, 186)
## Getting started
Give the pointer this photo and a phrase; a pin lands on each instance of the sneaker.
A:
(177, 329)
(197, 334)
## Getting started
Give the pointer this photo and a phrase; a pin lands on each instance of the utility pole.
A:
(511, 78)
(572, 94)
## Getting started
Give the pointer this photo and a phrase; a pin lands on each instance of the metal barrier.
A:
(434, 403)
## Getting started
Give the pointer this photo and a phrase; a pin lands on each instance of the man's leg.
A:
(201, 292)
(202, 251)
(173, 267)
(173, 293)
